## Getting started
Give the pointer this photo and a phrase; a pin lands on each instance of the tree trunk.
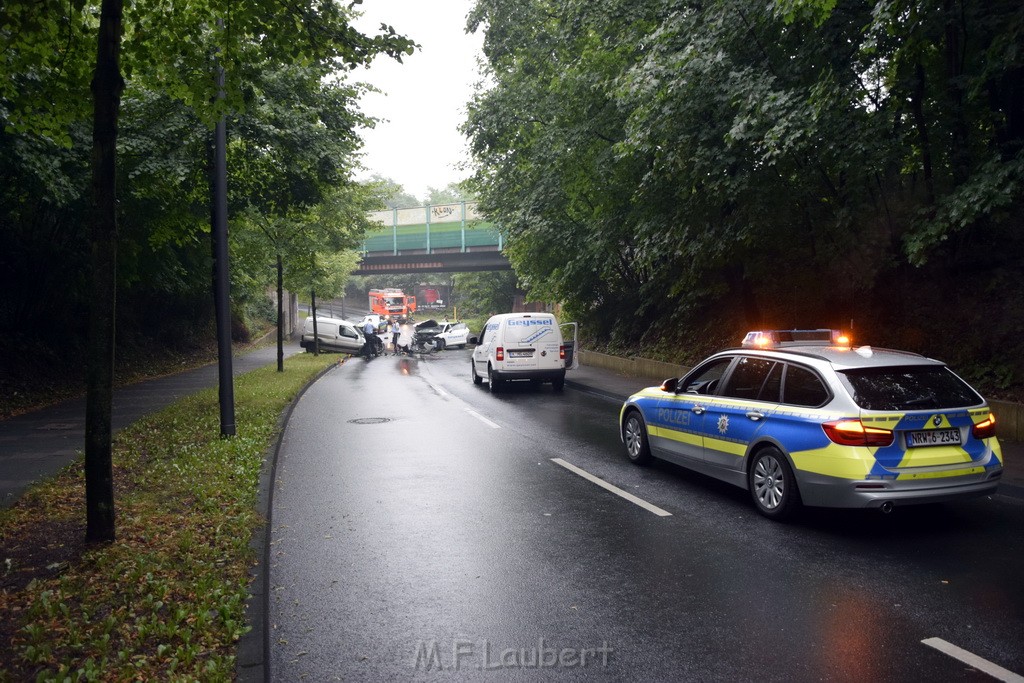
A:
(280, 314)
(107, 85)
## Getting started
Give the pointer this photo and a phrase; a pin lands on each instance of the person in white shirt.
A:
(396, 332)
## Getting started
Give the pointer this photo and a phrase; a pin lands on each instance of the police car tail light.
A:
(854, 433)
(985, 429)
(499, 353)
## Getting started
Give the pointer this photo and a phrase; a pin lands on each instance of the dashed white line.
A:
(614, 489)
(492, 425)
(973, 660)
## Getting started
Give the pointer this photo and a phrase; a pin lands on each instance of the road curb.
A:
(252, 662)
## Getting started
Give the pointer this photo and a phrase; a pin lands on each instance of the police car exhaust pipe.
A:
(887, 507)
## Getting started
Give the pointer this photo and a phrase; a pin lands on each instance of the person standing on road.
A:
(396, 332)
(369, 331)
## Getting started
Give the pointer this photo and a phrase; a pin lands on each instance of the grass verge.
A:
(166, 600)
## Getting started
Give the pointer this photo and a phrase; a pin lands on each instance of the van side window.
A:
(487, 336)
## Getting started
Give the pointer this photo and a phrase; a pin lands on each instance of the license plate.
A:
(520, 354)
(933, 437)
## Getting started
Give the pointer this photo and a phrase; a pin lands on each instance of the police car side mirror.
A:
(669, 385)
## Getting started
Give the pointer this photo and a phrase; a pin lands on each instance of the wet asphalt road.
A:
(421, 531)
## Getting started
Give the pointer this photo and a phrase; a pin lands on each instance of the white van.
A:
(527, 346)
(334, 334)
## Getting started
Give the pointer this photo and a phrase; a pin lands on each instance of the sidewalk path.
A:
(38, 444)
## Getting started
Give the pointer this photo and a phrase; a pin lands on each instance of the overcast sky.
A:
(422, 100)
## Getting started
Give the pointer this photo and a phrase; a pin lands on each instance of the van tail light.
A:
(854, 433)
(499, 353)
(561, 352)
(985, 429)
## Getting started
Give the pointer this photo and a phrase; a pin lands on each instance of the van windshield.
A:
(530, 331)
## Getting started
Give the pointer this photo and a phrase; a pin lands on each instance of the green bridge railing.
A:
(448, 227)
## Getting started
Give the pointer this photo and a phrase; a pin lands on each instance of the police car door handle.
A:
(698, 410)
(754, 415)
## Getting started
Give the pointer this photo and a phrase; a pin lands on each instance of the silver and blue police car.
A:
(802, 417)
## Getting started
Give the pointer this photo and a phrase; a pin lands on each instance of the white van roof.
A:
(505, 316)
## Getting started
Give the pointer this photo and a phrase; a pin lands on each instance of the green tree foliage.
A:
(280, 92)
(395, 196)
(484, 294)
(737, 163)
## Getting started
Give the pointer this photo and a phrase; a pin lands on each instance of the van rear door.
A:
(532, 342)
(570, 345)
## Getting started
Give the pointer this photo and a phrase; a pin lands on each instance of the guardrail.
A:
(1009, 416)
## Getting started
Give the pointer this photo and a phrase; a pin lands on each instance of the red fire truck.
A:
(393, 303)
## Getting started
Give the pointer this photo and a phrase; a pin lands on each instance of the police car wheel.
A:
(634, 433)
(440, 344)
(772, 484)
(477, 379)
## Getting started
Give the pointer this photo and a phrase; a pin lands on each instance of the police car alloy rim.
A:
(634, 440)
(769, 482)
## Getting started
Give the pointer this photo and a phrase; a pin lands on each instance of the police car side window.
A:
(705, 380)
(771, 390)
(747, 378)
(803, 388)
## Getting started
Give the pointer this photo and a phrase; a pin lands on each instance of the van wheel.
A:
(477, 379)
(492, 380)
(558, 383)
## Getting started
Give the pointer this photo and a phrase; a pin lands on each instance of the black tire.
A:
(439, 344)
(558, 383)
(772, 484)
(493, 383)
(634, 434)
(462, 346)
(477, 379)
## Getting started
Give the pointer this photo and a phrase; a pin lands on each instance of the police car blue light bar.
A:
(766, 339)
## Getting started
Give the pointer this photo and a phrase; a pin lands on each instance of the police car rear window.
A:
(909, 388)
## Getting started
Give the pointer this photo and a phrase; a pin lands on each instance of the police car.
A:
(803, 417)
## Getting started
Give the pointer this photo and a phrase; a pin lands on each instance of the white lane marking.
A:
(492, 425)
(614, 489)
(973, 660)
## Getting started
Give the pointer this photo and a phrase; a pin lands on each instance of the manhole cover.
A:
(370, 420)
